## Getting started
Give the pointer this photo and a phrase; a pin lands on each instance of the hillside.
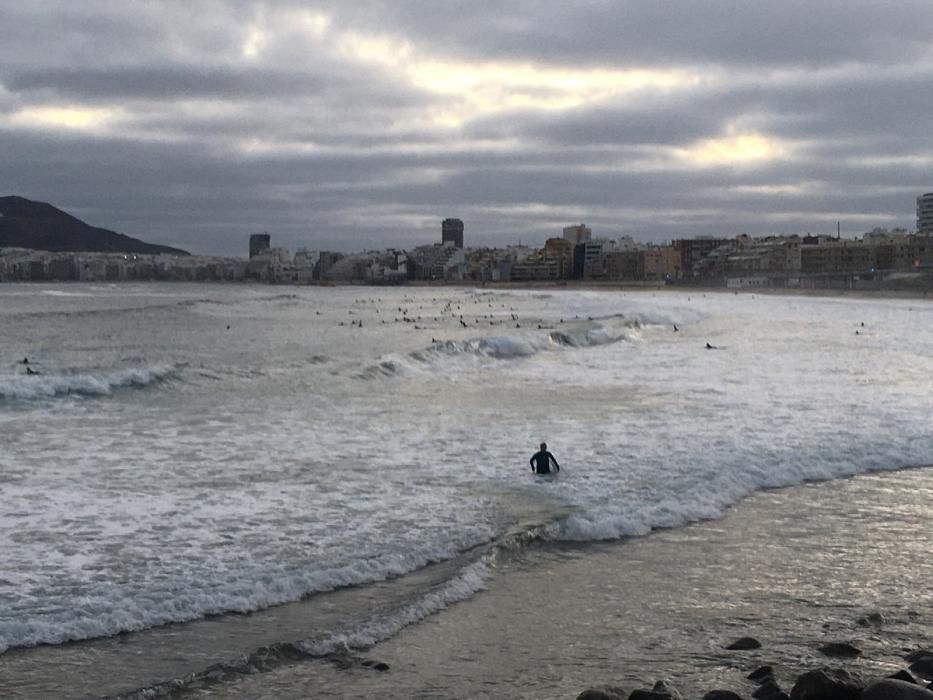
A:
(40, 226)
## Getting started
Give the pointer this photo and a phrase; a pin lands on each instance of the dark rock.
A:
(827, 684)
(761, 674)
(903, 675)
(745, 643)
(891, 689)
(603, 692)
(841, 649)
(919, 654)
(923, 666)
(767, 689)
(722, 695)
(875, 619)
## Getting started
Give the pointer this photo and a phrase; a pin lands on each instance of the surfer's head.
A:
(543, 445)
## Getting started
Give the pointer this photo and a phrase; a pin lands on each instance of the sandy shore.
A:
(795, 568)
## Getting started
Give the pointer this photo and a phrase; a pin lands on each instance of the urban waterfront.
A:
(879, 259)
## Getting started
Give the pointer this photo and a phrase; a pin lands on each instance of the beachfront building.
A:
(693, 250)
(452, 232)
(899, 251)
(578, 234)
(586, 253)
(561, 250)
(617, 264)
(835, 256)
(661, 263)
(767, 262)
(440, 261)
(536, 268)
(258, 242)
(925, 214)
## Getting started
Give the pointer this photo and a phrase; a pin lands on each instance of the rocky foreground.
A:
(914, 682)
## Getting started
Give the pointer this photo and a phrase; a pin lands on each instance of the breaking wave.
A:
(51, 385)
(360, 636)
(507, 347)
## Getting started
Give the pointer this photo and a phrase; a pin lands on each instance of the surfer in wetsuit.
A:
(541, 461)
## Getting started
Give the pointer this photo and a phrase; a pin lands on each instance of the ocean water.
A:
(321, 467)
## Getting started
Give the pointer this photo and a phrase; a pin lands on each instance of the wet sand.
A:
(795, 568)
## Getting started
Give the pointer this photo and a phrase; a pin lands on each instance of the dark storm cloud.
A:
(164, 82)
(362, 124)
(675, 32)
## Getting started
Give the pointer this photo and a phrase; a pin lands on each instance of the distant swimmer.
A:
(541, 461)
(675, 328)
(25, 361)
(31, 371)
(710, 347)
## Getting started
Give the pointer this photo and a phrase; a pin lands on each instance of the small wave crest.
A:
(359, 636)
(51, 385)
(507, 347)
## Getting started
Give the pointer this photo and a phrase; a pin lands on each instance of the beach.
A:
(235, 492)
(794, 568)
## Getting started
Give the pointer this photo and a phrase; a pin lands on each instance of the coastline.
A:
(898, 292)
(795, 568)
(563, 606)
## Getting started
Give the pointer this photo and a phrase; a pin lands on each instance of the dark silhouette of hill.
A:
(40, 226)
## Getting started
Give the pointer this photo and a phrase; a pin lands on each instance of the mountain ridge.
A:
(25, 223)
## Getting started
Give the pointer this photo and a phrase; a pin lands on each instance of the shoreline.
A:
(920, 294)
(660, 607)
(849, 567)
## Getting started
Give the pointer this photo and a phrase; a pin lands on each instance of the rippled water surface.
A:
(193, 451)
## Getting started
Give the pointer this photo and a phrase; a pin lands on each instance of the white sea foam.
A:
(98, 383)
(465, 585)
(282, 475)
(110, 611)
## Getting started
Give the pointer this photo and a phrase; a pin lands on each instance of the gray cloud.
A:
(224, 118)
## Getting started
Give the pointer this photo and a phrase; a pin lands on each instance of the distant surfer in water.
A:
(541, 461)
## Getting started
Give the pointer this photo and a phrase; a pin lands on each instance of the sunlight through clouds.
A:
(70, 117)
(739, 149)
(489, 87)
(256, 39)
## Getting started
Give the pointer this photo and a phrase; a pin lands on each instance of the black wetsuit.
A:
(541, 462)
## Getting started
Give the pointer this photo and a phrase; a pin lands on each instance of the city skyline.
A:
(361, 127)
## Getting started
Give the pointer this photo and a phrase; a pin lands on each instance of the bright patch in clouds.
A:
(73, 118)
(739, 149)
(485, 88)
(255, 41)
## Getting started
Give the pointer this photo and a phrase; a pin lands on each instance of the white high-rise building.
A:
(578, 234)
(925, 214)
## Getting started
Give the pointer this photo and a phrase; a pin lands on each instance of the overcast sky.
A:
(362, 123)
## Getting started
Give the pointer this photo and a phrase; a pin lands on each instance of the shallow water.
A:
(193, 453)
(794, 568)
